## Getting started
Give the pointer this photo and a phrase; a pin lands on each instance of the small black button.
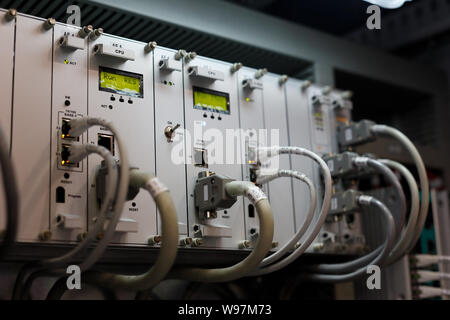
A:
(121, 99)
(130, 101)
(66, 175)
(113, 98)
(205, 115)
(219, 118)
(67, 103)
(212, 116)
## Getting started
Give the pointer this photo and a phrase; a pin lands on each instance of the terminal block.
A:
(210, 194)
(355, 133)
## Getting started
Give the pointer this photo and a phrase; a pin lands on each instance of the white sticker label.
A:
(155, 187)
(205, 192)
(348, 134)
(255, 194)
(334, 203)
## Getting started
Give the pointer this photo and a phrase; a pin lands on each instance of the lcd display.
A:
(210, 100)
(121, 82)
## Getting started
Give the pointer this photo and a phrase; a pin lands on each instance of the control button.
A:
(205, 115)
(113, 98)
(130, 101)
(67, 103)
(219, 118)
(121, 99)
(212, 116)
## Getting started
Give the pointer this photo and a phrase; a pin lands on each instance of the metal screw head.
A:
(260, 73)
(235, 67)
(81, 236)
(45, 235)
(85, 31)
(96, 34)
(283, 79)
(190, 56)
(245, 244)
(306, 84)
(326, 90)
(154, 240)
(49, 23)
(11, 14)
(347, 94)
(180, 54)
(149, 47)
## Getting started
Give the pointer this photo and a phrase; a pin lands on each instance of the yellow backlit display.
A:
(210, 100)
(121, 82)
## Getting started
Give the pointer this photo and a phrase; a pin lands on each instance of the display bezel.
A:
(138, 76)
(214, 93)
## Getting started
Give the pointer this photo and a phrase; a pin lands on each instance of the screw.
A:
(245, 244)
(81, 236)
(190, 56)
(95, 34)
(305, 85)
(180, 54)
(235, 67)
(149, 47)
(85, 31)
(347, 94)
(11, 14)
(185, 241)
(154, 240)
(49, 23)
(260, 73)
(45, 235)
(318, 246)
(196, 242)
(283, 79)
(326, 90)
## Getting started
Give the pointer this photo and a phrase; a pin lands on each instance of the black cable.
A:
(12, 198)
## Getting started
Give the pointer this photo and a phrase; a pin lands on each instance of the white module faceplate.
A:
(177, 119)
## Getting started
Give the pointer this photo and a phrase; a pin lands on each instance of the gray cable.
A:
(339, 268)
(379, 260)
(399, 249)
(392, 179)
(312, 208)
(323, 212)
(111, 186)
(424, 188)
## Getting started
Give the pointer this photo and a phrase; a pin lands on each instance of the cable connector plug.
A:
(77, 127)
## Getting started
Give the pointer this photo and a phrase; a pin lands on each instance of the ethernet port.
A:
(65, 155)
(201, 158)
(65, 129)
(107, 141)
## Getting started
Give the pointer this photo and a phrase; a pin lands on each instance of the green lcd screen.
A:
(121, 82)
(210, 100)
